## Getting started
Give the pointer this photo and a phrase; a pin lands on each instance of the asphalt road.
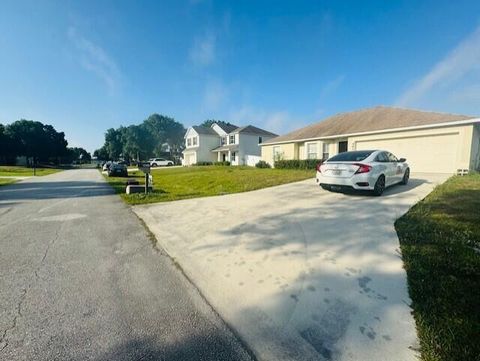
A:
(81, 280)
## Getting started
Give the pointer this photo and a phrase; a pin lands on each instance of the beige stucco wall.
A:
(288, 151)
(443, 149)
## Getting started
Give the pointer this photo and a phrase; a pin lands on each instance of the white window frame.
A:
(277, 152)
(194, 141)
(325, 154)
(230, 139)
(312, 154)
(189, 142)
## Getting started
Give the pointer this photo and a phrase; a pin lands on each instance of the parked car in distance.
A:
(106, 166)
(372, 170)
(160, 162)
(117, 170)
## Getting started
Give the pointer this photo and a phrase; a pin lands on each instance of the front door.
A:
(224, 157)
(342, 146)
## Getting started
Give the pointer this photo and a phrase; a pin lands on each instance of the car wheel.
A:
(406, 176)
(169, 164)
(154, 164)
(379, 186)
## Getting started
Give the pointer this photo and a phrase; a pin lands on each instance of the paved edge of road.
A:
(157, 246)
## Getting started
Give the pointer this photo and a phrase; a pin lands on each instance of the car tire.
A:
(169, 164)
(379, 186)
(154, 164)
(406, 177)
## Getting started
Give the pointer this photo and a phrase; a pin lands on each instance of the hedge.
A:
(297, 164)
(263, 164)
(203, 163)
(225, 163)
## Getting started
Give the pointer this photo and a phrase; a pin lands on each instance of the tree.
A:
(79, 155)
(113, 143)
(208, 123)
(101, 153)
(36, 140)
(150, 138)
(165, 130)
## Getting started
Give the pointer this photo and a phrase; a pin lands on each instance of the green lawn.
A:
(440, 242)
(181, 183)
(5, 181)
(25, 172)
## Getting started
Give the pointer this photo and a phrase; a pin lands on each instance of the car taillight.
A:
(362, 168)
(318, 167)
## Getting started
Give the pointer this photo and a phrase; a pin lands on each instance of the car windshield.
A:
(351, 156)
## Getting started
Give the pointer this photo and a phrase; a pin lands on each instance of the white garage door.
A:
(432, 154)
(189, 158)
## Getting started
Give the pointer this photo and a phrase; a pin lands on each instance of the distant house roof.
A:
(227, 128)
(204, 130)
(250, 129)
(368, 120)
(224, 148)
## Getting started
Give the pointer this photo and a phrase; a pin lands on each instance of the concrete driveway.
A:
(300, 273)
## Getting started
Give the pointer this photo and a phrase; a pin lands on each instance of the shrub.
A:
(297, 164)
(203, 163)
(263, 164)
(225, 163)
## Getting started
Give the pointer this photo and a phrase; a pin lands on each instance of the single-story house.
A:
(430, 141)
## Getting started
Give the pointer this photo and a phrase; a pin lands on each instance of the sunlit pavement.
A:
(299, 272)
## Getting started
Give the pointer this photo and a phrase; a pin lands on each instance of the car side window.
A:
(392, 158)
(381, 157)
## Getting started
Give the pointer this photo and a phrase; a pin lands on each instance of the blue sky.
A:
(85, 66)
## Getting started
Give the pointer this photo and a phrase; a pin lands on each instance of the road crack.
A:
(4, 339)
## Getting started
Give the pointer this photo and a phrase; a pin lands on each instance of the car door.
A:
(384, 166)
(397, 168)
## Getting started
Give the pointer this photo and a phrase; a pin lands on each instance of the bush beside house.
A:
(297, 163)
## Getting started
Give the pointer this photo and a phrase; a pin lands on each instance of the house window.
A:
(232, 139)
(325, 154)
(223, 141)
(260, 140)
(194, 140)
(189, 142)
(233, 156)
(312, 150)
(277, 153)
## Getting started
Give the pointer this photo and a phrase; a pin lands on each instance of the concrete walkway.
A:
(300, 273)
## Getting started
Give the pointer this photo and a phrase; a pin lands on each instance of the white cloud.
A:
(203, 50)
(460, 62)
(96, 60)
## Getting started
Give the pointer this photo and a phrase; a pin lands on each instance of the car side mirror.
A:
(402, 160)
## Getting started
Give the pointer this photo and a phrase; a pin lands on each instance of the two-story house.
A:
(221, 142)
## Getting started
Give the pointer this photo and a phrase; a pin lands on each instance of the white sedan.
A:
(160, 162)
(372, 170)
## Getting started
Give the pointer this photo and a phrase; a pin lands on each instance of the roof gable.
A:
(204, 130)
(250, 129)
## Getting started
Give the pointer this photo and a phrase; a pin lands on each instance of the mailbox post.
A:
(145, 168)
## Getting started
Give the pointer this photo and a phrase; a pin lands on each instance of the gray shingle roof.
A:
(204, 130)
(227, 128)
(367, 120)
(250, 129)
